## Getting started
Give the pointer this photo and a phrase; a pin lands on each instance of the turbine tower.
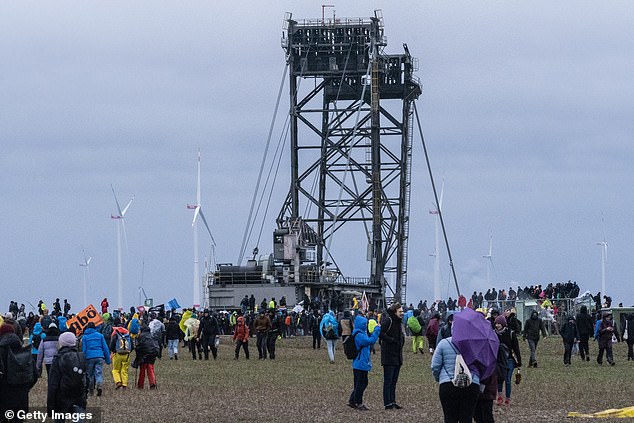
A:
(489, 257)
(436, 254)
(604, 258)
(198, 212)
(120, 218)
(85, 265)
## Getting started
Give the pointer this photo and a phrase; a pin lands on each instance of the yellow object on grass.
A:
(620, 413)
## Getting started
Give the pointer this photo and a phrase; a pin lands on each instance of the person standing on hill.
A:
(362, 364)
(104, 305)
(532, 329)
(315, 320)
(172, 335)
(415, 325)
(207, 332)
(585, 327)
(392, 341)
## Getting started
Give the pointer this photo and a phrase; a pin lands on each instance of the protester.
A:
(392, 341)
(432, 331)
(532, 329)
(35, 339)
(585, 327)
(172, 335)
(329, 331)
(241, 337)
(104, 305)
(362, 364)
(121, 345)
(262, 326)
(207, 332)
(48, 349)
(14, 388)
(191, 330)
(146, 350)
(96, 351)
(458, 404)
(569, 334)
(628, 335)
(415, 325)
(606, 331)
(510, 359)
(273, 333)
(157, 330)
(315, 321)
(67, 379)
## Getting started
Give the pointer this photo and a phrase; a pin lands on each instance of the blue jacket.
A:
(363, 343)
(37, 331)
(444, 361)
(329, 318)
(93, 345)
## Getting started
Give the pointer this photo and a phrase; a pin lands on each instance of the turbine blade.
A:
(202, 216)
(196, 213)
(198, 181)
(116, 201)
(126, 207)
(88, 261)
(490, 246)
(442, 191)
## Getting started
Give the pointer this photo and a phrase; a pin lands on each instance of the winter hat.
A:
(8, 315)
(501, 320)
(67, 339)
(52, 325)
(6, 328)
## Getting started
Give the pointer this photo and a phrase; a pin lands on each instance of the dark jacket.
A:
(392, 340)
(146, 347)
(585, 324)
(569, 332)
(60, 399)
(509, 338)
(630, 328)
(606, 330)
(514, 323)
(533, 326)
(262, 324)
(12, 397)
(172, 331)
(208, 327)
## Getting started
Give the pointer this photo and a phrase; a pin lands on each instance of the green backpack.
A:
(414, 325)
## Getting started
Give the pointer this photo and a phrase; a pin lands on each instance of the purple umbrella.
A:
(476, 340)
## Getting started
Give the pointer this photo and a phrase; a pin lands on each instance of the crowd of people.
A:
(75, 360)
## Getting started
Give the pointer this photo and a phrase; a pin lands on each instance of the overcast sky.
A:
(527, 109)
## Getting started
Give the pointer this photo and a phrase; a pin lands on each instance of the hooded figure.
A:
(532, 329)
(67, 378)
(362, 363)
(12, 397)
(585, 327)
(606, 331)
(241, 337)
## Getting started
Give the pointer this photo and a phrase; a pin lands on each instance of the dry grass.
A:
(300, 385)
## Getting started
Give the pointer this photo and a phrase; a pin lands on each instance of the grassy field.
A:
(300, 385)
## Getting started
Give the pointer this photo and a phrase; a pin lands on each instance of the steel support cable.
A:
(433, 185)
(278, 153)
(266, 150)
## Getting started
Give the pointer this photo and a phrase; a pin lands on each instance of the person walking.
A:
(67, 381)
(569, 334)
(262, 326)
(458, 404)
(329, 328)
(96, 351)
(606, 331)
(104, 305)
(532, 329)
(392, 341)
(510, 350)
(241, 337)
(14, 388)
(362, 364)
(48, 349)
(121, 345)
(585, 327)
(315, 321)
(157, 329)
(146, 351)
(172, 335)
(415, 325)
(274, 332)
(207, 332)
(433, 326)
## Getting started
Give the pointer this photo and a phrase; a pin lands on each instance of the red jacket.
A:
(241, 332)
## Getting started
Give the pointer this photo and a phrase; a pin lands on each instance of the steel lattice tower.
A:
(351, 139)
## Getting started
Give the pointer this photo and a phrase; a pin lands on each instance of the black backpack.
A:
(350, 348)
(37, 340)
(20, 369)
(72, 368)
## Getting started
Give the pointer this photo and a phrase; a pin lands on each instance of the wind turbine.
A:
(198, 212)
(436, 254)
(604, 258)
(120, 218)
(489, 257)
(85, 265)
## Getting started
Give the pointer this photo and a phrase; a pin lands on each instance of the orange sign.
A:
(79, 321)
